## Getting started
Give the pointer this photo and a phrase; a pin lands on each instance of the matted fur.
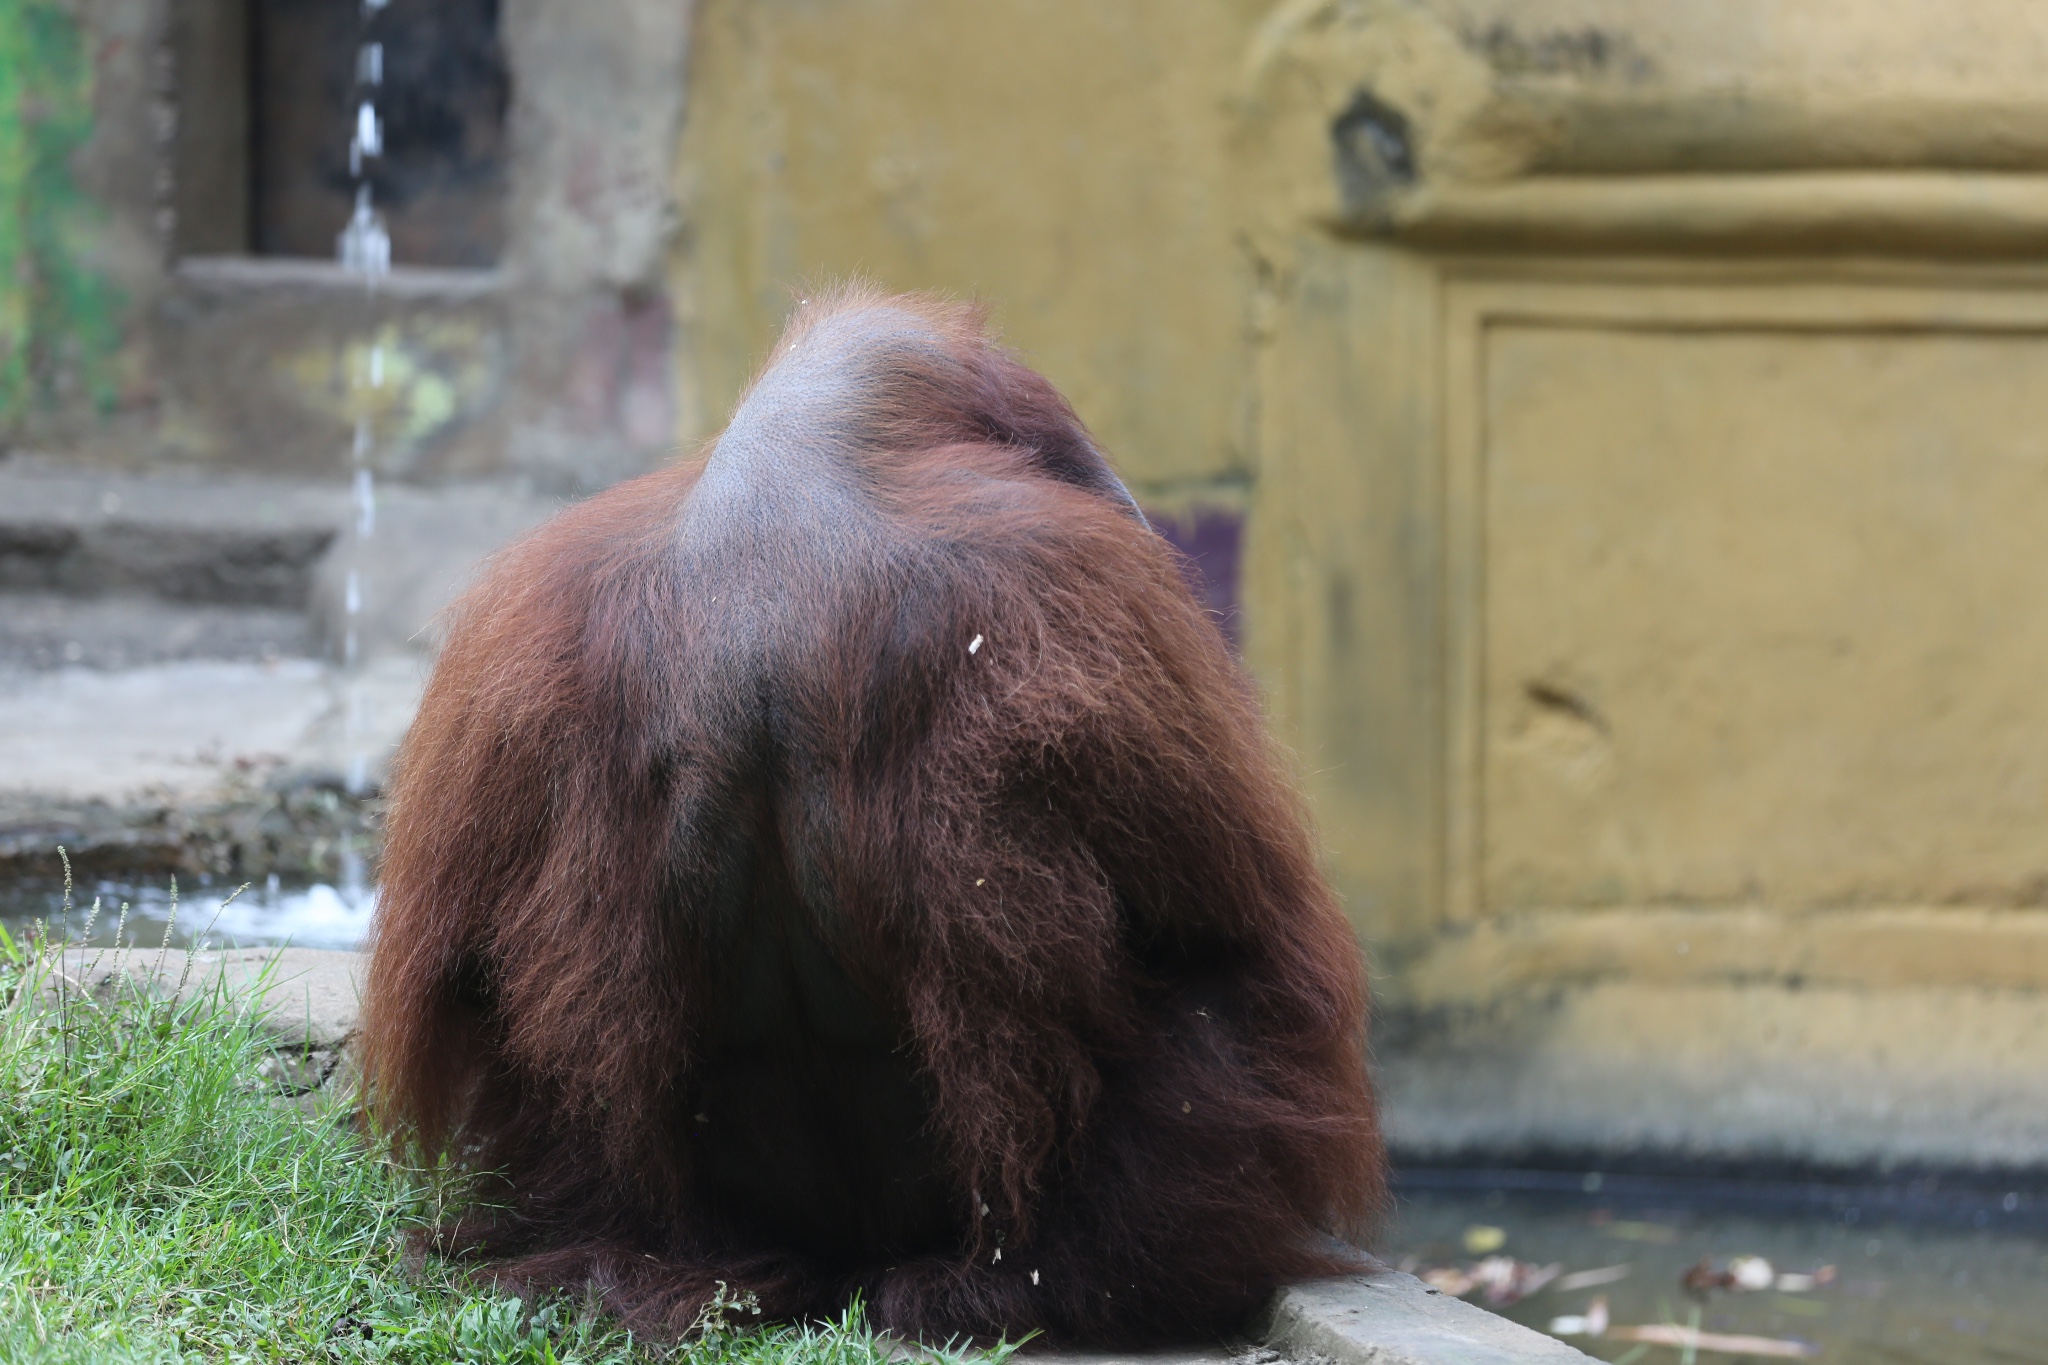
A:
(755, 924)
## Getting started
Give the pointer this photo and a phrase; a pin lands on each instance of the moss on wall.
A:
(59, 318)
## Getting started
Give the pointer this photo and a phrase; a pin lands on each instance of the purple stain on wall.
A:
(621, 380)
(1212, 539)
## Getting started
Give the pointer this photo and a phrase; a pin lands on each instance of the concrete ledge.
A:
(241, 273)
(311, 995)
(1388, 1318)
(1932, 212)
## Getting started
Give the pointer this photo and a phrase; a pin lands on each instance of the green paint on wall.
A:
(59, 320)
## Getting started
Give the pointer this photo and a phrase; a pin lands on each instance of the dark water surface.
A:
(1944, 1271)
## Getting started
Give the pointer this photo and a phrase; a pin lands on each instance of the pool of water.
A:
(1915, 1270)
(207, 913)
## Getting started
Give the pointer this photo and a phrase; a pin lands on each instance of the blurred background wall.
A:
(1618, 430)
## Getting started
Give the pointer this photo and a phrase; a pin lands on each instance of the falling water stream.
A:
(364, 248)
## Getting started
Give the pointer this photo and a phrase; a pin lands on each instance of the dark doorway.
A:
(441, 181)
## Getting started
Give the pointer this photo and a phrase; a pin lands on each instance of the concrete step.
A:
(171, 696)
(40, 631)
(249, 543)
(244, 544)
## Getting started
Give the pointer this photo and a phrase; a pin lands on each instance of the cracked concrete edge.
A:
(1388, 1318)
(311, 996)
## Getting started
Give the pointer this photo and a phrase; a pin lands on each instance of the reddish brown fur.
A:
(754, 929)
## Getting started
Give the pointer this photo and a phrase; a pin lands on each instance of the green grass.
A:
(159, 1202)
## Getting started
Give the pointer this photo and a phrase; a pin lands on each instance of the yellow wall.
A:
(1641, 445)
(1063, 159)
